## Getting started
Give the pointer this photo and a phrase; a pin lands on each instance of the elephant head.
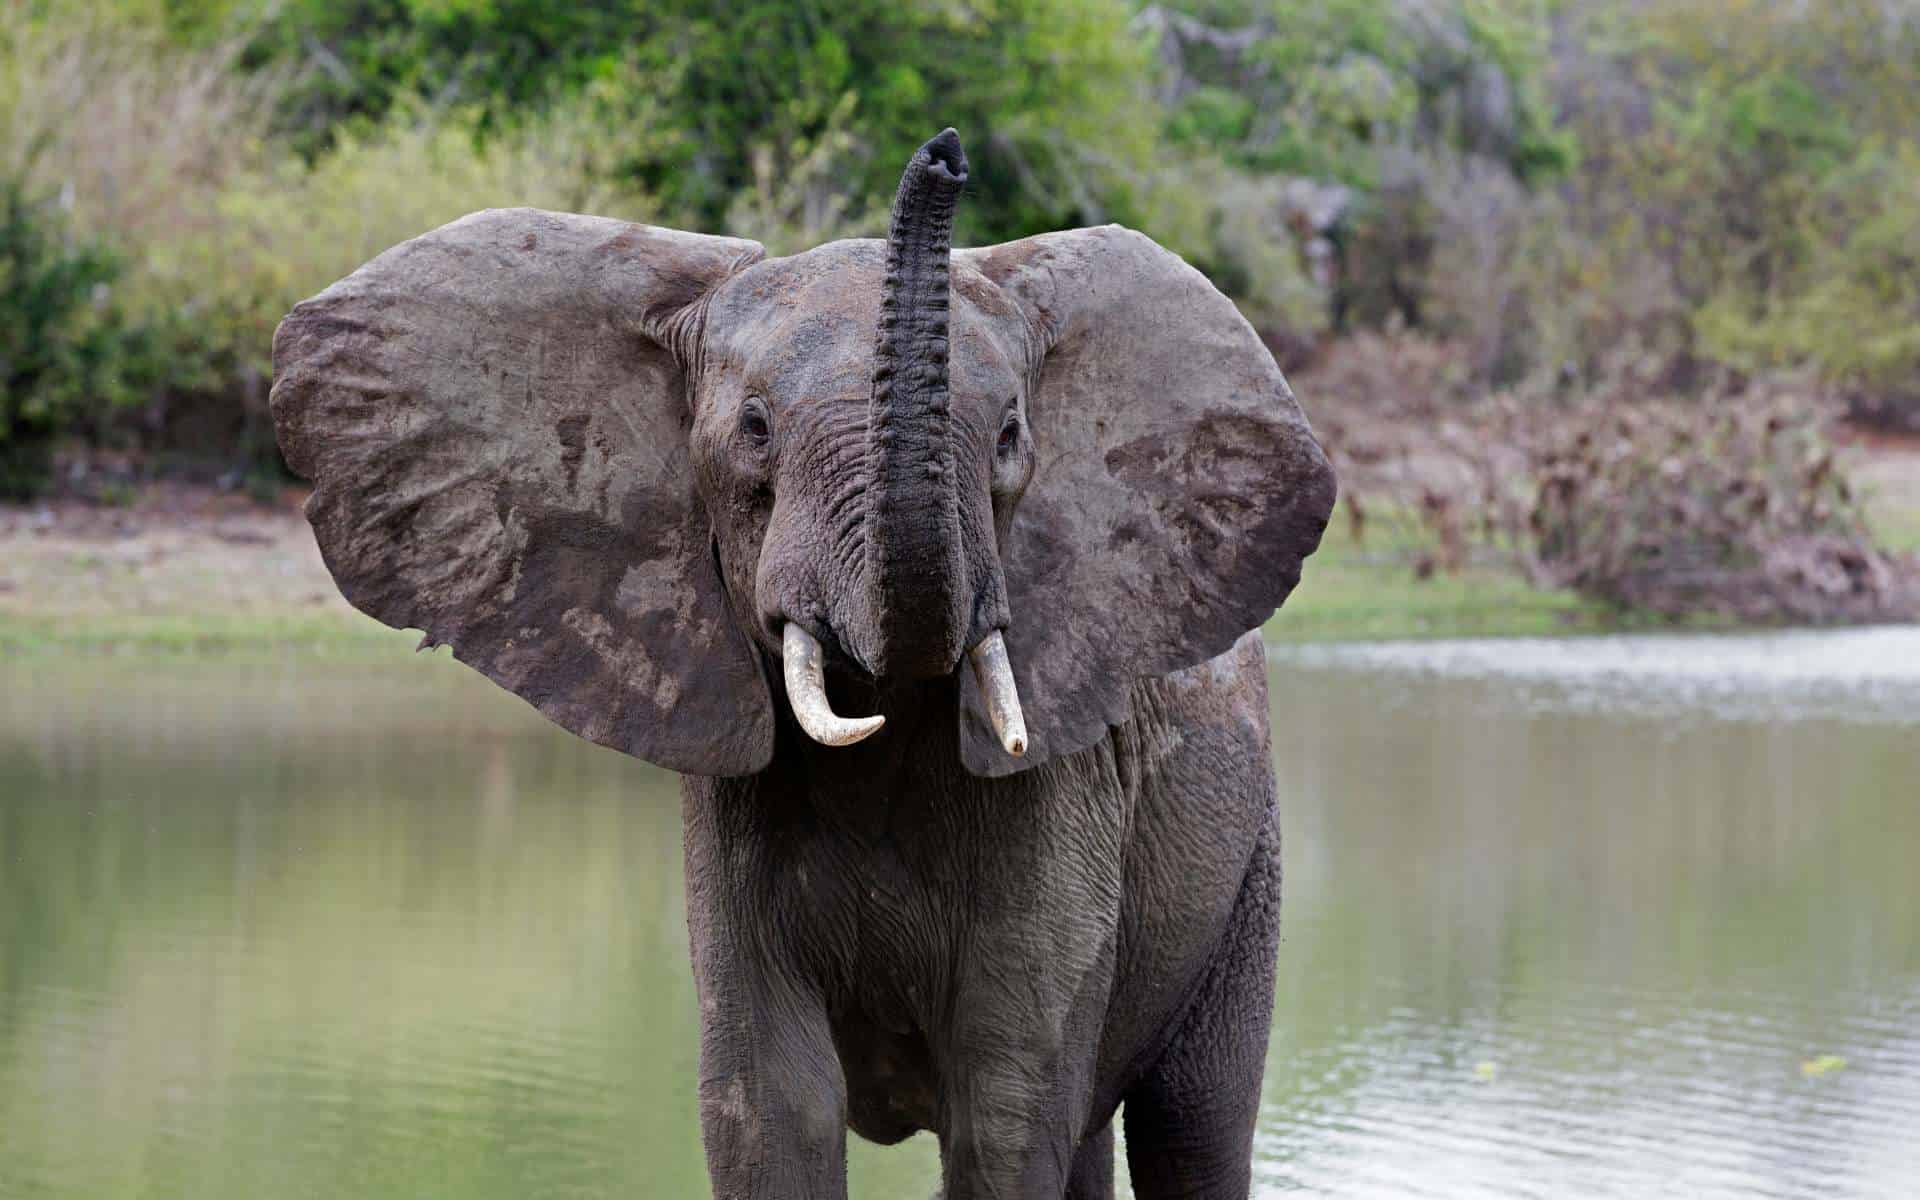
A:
(625, 471)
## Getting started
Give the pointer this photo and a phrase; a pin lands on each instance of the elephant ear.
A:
(497, 429)
(1177, 485)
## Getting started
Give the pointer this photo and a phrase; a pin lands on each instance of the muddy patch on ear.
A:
(572, 432)
(1227, 448)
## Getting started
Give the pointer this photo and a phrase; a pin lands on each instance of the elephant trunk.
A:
(915, 559)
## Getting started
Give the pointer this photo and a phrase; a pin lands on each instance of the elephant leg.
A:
(1003, 1148)
(773, 1097)
(1015, 1108)
(1092, 1177)
(773, 1108)
(1190, 1121)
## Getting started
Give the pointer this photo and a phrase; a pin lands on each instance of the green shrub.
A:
(1053, 96)
(68, 358)
(164, 155)
(285, 229)
(1743, 193)
(1574, 191)
(1854, 312)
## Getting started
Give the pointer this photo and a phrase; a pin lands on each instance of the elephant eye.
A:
(756, 422)
(1009, 435)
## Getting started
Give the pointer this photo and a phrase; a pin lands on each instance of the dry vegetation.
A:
(1737, 505)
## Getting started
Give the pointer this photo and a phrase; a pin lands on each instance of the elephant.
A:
(938, 574)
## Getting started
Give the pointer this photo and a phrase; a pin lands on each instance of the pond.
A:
(1616, 917)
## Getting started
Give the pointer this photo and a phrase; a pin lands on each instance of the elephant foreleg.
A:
(773, 1108)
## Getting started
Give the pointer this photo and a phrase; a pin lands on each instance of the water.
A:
(1597, 918)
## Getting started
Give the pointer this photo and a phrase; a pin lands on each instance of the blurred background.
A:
(1583, 294)
(1605, 307)
(1607, 310)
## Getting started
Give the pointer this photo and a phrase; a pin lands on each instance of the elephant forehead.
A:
(840, 279)
(803, 328)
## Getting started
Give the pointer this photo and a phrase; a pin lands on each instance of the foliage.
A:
(167, 158)
(1545, 197)
(1052, 93)
(1856, 312)
(1744, 195)
(285, 229)
(68, 357)
(799, 196)
(1318, 87)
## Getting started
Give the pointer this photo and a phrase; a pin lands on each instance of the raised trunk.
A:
(914, 554)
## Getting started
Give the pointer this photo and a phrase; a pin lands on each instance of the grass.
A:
(239, 635)
(1896, 527)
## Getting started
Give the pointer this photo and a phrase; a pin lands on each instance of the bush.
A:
(286, 229)
(214, 229)
(1053, 96)
(137, 138)
(1677, 510)
(1856, 314)
(68, 358)
(1738, 505)
(1742, 198)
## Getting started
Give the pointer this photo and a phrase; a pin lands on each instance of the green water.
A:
(302, 930)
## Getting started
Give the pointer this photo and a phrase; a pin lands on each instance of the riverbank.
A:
(1365, 590)
(174, 570)
(182, 571)
(179, 570)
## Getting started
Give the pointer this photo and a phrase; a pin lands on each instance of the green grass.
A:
(239, 635)
(1895, 527)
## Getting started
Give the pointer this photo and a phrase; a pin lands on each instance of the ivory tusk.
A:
(807, 692)
(995, 673)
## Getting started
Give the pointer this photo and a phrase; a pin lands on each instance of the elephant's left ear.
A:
(1177, 488)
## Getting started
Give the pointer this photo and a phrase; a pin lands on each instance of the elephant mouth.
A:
(803, 662)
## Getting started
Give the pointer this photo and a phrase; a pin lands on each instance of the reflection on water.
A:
(322, 931)
(1855, 675)
(1553, 944)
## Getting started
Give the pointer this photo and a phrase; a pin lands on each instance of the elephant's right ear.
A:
(496, 424)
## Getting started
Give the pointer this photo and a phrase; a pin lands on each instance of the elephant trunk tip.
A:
(945, 159)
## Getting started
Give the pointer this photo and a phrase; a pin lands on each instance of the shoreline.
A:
(180, 570)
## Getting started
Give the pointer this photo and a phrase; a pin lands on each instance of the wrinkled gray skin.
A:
(608, 464)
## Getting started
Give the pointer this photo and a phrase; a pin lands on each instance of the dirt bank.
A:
(175, 570)
(196, 568)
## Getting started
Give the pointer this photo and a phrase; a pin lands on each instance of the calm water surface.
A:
(1623, 917)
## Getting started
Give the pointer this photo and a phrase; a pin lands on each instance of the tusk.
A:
(995, 674)
(807, 693)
